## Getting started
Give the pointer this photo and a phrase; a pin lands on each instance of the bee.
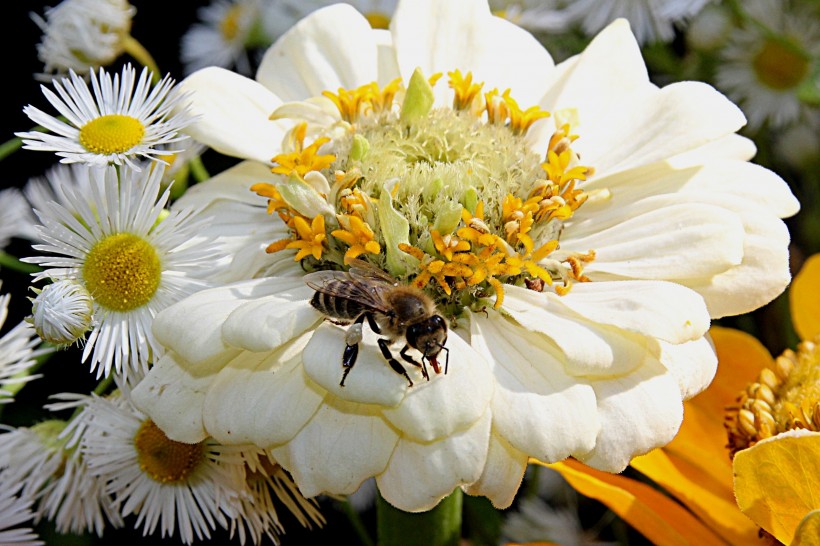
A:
(366, 293)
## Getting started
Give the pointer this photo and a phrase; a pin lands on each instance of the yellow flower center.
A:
(377, 19)
(784, 398)
(111, 134)
(122, 272)
(229, 26)
(452, 200)
(779, 66)
(162, 459)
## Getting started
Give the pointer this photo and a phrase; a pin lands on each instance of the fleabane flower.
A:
(572, 227)
(128, 253)
(119, 120)
(16, 219)
(18, 349)
(13, 512)
(82, 34)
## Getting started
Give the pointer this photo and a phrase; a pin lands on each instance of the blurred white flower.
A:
(61, 313)
(17, 353)
(13, 512)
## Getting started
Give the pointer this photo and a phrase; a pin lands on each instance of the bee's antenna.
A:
(447, 358)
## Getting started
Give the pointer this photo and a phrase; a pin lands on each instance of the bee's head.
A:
(428, 336)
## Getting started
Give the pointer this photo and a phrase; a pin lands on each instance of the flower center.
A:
(229, 26)
(378, 19)
(779, 66)
(164, 460)
(452, 200)
(111, 134)
(784, 398)
(122, 272)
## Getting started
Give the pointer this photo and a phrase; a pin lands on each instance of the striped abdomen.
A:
(337, 306)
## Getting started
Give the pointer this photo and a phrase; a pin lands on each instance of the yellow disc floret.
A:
(111, 134)
(779, 65)
(162, 459)
(122, 272)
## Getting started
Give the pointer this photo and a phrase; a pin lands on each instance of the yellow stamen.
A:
(111, 134)
(521, 120)
(357, 235)
(311, 238)
(122, 272)
(303, 160)
(448, 244)
(465, 90)
(433, 268)
(162, 459)
(364, 100)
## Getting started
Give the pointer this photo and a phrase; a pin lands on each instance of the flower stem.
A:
(10, 262)
(198, 169)
(440, 526)
(141, 55)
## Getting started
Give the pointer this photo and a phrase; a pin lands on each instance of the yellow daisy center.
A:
(378, 19)
(122, 272)
(162, 459)
(784, 398)
(779, 66)
(229, 26)
(111, 134)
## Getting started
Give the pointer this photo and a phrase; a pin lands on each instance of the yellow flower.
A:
(770, 489)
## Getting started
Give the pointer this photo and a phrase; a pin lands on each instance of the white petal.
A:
(639, 411)
(172, 394)
(342, 446)
(267, 322)
(443, 36)
(330, 48)
(673, 242)
(657, 309)
(420, 475)
(234, 184)
(537, 407)
(388, 64)
(693, 364)
(655, 126)
(588, 348)
(451, 402)
(729, 147)
(601, 78)
(193, 326)
(261, 399)
(234, 113)
(370, 380)
(502, 474)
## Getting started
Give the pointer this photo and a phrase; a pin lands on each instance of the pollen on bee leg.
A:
(354, 334)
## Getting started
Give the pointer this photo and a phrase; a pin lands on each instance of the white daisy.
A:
(16, 219)
(185, 489)
(651, 20)
(13, 512)
(226, 31)
(118, 123)
(62, 312)
(17, 354)
(56, 185)
(577, 292)
(133, 260)
(769, 59)
(82, 34)
(534, 520)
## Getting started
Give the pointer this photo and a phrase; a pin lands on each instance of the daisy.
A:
(13, 512)
(17, 354)
(116, 242)
(82, 34)
(536, 521)
(768, 60)
(226, 31)
(117, 124)
(16, 219)
(62, 312)
(185, 489)
(652, 20)
(574, 250)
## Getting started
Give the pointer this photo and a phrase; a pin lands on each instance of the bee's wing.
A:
(367, 292)
(362, 270)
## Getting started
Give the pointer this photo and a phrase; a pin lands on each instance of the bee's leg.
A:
(408, 358)
(395, 364)
(371, 321)
(352, 338)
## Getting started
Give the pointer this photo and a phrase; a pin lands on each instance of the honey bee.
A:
(368, 293)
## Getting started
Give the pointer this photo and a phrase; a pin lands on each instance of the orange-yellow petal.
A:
(777, 481)
(804, 298)
(659, 518)
(808, 532)
(710, 499)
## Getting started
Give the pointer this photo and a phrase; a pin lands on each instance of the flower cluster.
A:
(439, 253)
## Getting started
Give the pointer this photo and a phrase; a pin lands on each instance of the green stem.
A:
(10, 146)
(440, 526)
(357, 523)
(141, 55)
(10, 262)
(198, 169)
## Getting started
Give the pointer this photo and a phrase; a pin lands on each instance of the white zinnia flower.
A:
(768, 59)
(13, 512)
(663, 216)
(83, 34)
(118, 124)
(118, 244)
